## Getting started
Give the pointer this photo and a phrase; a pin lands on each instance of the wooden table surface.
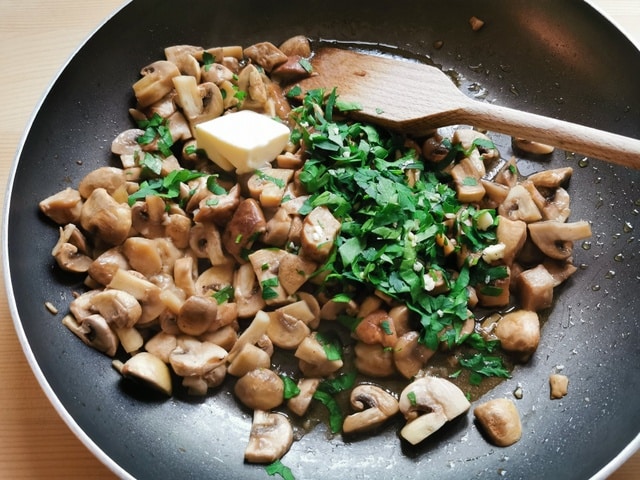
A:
(36, 38)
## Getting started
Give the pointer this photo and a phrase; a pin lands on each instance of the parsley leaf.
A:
(278, 468)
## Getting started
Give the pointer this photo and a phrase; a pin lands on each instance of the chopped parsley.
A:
(278, 468)
(268, 291)
(290, 387)
(156, 128)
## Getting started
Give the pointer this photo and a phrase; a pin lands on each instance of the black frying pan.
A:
(554, 58)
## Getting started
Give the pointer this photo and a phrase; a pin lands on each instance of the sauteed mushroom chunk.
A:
(270, 438)
(319, 232)
(151, 370)
(427, 404)
(260, 389)
(105, 218)
(500, 420)
(63, 207)
(95, 332)
(519, 333)
(376, 406)
(559, 385)
(155, 82)
(300, 403)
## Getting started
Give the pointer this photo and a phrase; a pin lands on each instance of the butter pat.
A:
(243, 140)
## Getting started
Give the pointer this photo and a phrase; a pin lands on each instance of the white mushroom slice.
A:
(376, 405)
(519, 206)
(287, 331)
(252, 333)
(553, 178)
(126, 143)
(193, 357)
(109, 178)
(161, 345)
(500, 421)
(555, 239)
(248, 358)
(70, 259)
(247, 292)
(409, 355)
(155, 82)
(214, 279)
(313, 358)
(512, 234)
(374, 360)
(151, 370)
(270, 438)
(95, 332)
(442, 400)
(319, 231)
(300, 403)
(105, 218)
(529, 146)
(260, 389)
(466, 177)
(63, 207)
(196, 315)
(143, 255)
(119, 308)
(266, 265)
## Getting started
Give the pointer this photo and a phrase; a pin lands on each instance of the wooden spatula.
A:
(416, 98)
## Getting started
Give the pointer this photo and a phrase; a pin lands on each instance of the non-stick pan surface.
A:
(559, 59)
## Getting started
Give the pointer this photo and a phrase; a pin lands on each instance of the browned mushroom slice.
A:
(126, 143)
(375, 407)
(519, 206)
(217, 208)
(119, 308)
(270, 438)
(319, 232)
(294, 271)
(552, 178)
(535, 288)
(559, 270)
(409, 355)
(268, 185)
(466, 177)
(313, 358)
(155, 82)
(260, 389)
(149, 369)
(377, 328)
(296, 45)
(293, 69)
(182, 56)
(196, 315)
(109, 178)
(512, 234)
(300, 403)
(95, 332)
(555, 239)
(244, 228)
(266, 265)
(105, 218)
(265, 54)
(63, 207)
(374, 360)
(104, 266)
(246, 291)
(500, 420)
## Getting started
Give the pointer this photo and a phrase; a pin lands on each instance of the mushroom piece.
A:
(105, 265)
(248, 358)
(466, 176)
(409, 355)
(500, 420)
(375, 404)
(374, 359)
(519, 206)
(105, 218)
(287, 331)
(70, 251)
(183, 58)
(559, 385)
(119, 308)
(196, 315)
(555, 239)
(151, 370)
(147, 217)
(266, 265)
(126, 142)
(270, 438)
(252, 334)
(319, 232)
(377, 328)
(535, 288)
(265, 54)
(161, 345)
(553, 178)
(512, 234)
(143, 255)
(313, 360)
(63, 207)
(95, 332)
(260, 389)
(519, 333)
(155, 82)
(246, 291)
(193, 357)
(300, 403)
(109, 178)
(529, 146)
(439, 398)
(244, 228)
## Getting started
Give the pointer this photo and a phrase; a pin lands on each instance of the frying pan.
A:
(554, 58)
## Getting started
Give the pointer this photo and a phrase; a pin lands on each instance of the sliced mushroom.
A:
(266, 265)
(376, 406)
(197, 315)
(519, 333)
(63, 207)
(104, 266)
(95, 332)
(149, 369)
(244, 228)
(439, 398)
(559, 385)
(161, 345)
(143, 255)
(214, 279)
(119, 308)
(519, 206)
(466, 177)
(409, 355)
(217, 208)
(147, 217)
(260, 389)
(374, 360)
(105, 218)
(155, 82)
(296, 45)
(552, 178)
(109, 178)
(250, 357)
(183, 58)
(529, 146)
(252, 334)
(270, 438)
(68, 256)
(555, 239)
(193, 357)
(265, 54)
(313, 358)
(294, 271)
(512, 234)
(500, 420)
(377, 328)
(246, 291)
(300, 403)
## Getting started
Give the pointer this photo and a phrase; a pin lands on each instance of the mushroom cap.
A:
(260, 389)
(500, 421)
(197, 314)
(375, 404)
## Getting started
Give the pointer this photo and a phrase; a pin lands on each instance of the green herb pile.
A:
(390, 225)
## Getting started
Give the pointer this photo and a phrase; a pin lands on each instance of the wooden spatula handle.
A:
(565, 135)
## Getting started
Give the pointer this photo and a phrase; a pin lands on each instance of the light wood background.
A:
(36, 38)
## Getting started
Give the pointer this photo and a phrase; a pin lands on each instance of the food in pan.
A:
(253, 236)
